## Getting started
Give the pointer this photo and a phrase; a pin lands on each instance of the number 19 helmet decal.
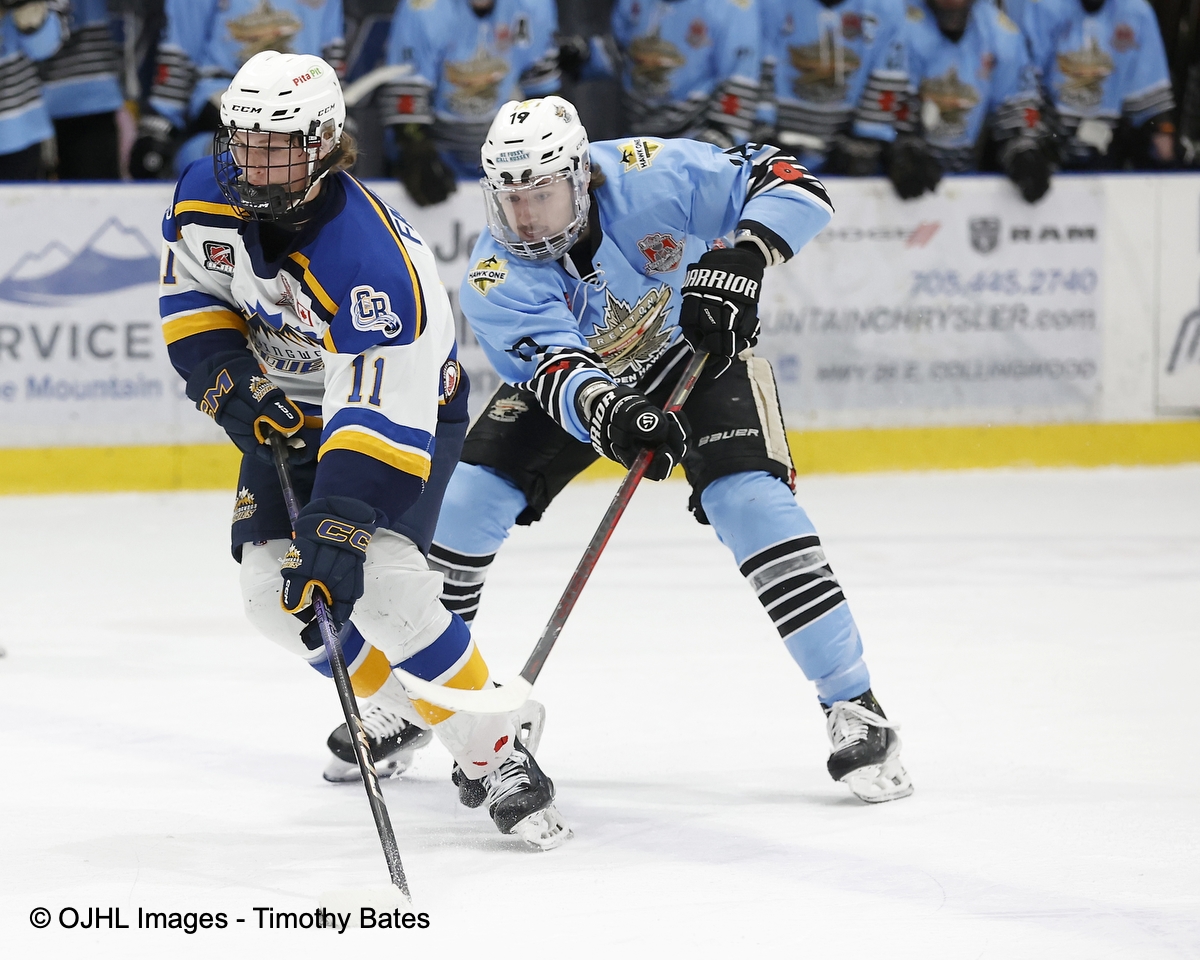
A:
(281, 121)
(536, 167)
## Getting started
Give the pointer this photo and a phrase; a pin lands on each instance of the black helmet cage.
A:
(276, 201)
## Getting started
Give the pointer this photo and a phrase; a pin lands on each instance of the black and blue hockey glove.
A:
(231, 388)
(719, 315)
(327, 556)
(622, 423)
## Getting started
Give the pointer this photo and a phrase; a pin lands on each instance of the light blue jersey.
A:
(664, 203)
(985, 79)
(465, 66)
(839, 68)
(205, 43)
(689, 65)
(24, 120)
(1099, 68)
(84, 77)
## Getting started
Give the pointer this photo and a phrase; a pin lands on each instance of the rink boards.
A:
(963, 329)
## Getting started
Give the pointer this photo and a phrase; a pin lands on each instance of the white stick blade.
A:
(366, 907)
(503, 699)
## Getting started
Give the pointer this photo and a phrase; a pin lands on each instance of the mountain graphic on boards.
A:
(114, 257)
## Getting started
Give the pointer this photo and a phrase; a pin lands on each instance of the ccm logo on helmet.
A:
(242, 108)
(721, 280)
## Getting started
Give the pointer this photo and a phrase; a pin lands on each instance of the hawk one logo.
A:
(489, 272)
(639, 154)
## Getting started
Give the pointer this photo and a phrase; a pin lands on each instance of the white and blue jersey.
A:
(205, 42)
(838, 68)
(465, 66)
(1099, 68)
(985, 81)
(84, 77)
(688, 65)
(663, 204)
(351, 322)
(24, 120)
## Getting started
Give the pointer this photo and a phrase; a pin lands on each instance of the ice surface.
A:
(1035, 633)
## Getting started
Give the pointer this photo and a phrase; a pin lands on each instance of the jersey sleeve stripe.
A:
(378, 423)
(200, 321)
(174, 304)
(418, 295)
(313, 284)
(403, 458)
(204, 213)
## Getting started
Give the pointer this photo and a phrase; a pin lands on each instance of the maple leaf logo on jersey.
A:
(632, 338)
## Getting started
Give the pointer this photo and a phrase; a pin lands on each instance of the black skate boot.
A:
(530, 720)
(392, 739)
(865, 750)
(520, 801)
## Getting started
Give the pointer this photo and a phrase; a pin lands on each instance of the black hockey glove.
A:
(327, 556)
(912, 168)
(623, 422)
(1029, 169)
(852, 157)
(422, 170)
(28, 16)
(154, 148)
(719, 315)
(574, 53)
(230, 388)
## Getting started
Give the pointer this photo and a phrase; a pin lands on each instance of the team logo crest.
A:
(218, 257)
(946, 103)
(632, 338)
(371, 309)
(1084, 72)
(476, 82)
(265, 28)
(638, 154)
(244, 506)
(821, 78)
(662, 251)
(451, 379)
(507, 409)
(985, 233)
(488, 272)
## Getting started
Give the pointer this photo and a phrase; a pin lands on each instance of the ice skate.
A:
(392, 739)
(865, 749)
(520, 800)
(530, 719)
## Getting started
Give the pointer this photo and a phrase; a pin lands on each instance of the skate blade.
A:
(880, 782)
(339, 771)
(544, 830)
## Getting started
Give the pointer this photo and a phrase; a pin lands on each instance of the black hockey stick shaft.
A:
(341, 680)
(587, 563)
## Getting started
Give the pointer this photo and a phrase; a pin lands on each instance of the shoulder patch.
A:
(487, 273)
(915, 14)
(451, 378)
(421, 4)
(1002, 18)
(638, 154)
(371, 309)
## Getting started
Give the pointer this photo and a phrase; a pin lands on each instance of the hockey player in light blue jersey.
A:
(467, 57)
(976, 100)
(295, 301)
(1104, 67)
(603, 269)
(689, 68)
(30, 30)
(83, 94)
(839, 76)
(204, 43)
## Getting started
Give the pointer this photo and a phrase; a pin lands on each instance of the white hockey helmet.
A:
(536, 167)
(281, 120)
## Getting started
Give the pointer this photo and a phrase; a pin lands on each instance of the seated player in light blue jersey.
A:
(975, 99)
(294, 300)
(466, 58)
(30, 30)
(1105, 70)
(604, 268)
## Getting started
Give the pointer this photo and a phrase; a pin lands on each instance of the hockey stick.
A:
(341, 680)
(510, 696)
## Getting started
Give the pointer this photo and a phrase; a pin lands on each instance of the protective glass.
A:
(265, 175)
(538, 220)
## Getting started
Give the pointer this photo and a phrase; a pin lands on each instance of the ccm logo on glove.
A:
(340, 532)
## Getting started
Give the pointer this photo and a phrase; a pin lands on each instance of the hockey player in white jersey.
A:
(294, 300)
(604, 267)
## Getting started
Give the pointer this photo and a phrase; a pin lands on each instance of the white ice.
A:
(1035, 633)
